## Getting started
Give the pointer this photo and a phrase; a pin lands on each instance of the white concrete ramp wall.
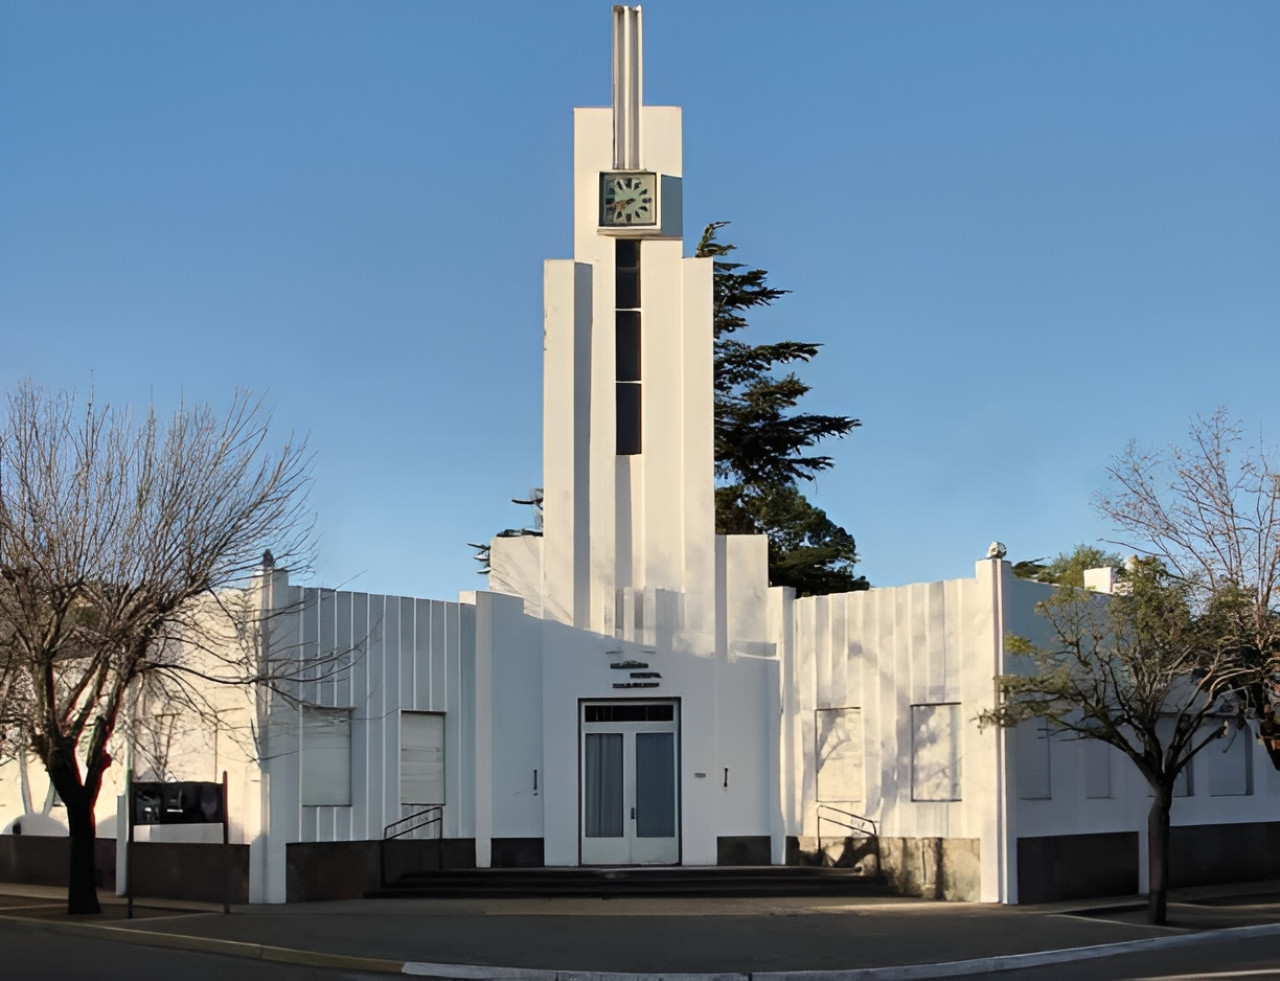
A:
(884, 652)
(910, 667)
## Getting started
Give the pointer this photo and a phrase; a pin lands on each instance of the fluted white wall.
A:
(378, 656)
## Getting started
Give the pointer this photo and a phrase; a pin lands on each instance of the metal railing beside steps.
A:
(419, 824)
(858, 825)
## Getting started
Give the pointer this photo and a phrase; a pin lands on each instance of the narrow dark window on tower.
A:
(628, 418)
(627, 271)
(627, 344)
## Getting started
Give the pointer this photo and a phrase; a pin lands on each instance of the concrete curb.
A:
(480, 972)
(1016, 962)
(463, 972)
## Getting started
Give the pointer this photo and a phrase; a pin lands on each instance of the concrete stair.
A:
(760, 881)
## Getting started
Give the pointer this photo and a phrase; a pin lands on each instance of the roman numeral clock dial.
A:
(629, 199)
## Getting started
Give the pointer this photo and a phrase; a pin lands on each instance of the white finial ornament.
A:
(996, 550)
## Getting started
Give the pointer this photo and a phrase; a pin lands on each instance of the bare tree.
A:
(117, 534)
(1210, 512)
(1138, 671)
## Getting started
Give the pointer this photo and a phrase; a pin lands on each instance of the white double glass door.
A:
(630, 812)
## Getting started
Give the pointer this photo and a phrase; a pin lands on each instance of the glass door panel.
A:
(655, 784)
(602, 779)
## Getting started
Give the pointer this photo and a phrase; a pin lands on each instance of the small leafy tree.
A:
(1068, 568)
(1140, 671)
(117, 534)
(764, 446)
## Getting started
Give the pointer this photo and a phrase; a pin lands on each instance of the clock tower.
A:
(628, 536)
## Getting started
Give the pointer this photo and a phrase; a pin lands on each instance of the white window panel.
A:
(1031, 749)
(1096, 756)
(421, 758)
(1230, 764)
(839, 763)
(935, 752)
(326, 756)
(1182, 786)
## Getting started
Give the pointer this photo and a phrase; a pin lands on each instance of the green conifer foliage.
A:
(764, 446)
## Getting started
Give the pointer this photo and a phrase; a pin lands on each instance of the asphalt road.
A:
(651, 935)
(33, 952)
(656, 941)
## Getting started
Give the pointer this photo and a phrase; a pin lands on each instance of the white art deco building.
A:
(630, 690)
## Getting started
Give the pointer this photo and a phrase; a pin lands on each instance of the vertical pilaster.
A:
(986, 778)
(566, 440)
(483, 720)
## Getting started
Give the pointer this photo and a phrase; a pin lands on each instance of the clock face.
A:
(629, 198)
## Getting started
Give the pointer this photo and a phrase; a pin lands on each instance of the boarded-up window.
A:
(1230, 764)
(935, 752)
(839, 754)
(1096, 757)
(421, 758)
(326, 756)
(1182, 786)
(1031, 746)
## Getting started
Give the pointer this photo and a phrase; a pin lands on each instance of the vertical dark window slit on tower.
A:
(627, 343)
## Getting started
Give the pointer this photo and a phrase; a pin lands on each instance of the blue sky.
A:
(1025, 232)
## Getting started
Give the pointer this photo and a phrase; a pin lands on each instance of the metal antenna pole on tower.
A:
(628, 79)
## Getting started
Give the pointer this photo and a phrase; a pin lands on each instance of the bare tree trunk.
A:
(24, 780)
(82, 871)
(1158, 854)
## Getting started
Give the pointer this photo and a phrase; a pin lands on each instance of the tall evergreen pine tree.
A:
(763, 447)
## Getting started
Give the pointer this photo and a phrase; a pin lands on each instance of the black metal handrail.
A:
(433, 814)
(857, 823)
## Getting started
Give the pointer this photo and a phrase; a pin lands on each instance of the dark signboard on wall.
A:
(187, 802)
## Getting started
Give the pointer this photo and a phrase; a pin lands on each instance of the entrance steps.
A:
(752, 880)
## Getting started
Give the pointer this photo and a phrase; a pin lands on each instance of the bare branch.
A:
(115, 531)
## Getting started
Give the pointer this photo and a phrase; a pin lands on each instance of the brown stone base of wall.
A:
(330, 870)
(211, 873)
(744, 850)
(323, 870)
(1209, 853)
(1083, 866)
(160, 870)
(1077, 866)
(42, 861)
(835, 853)
(934, 868)
(516, 853)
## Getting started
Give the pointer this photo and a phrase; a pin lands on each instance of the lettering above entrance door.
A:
(635, 684)
(624, 665)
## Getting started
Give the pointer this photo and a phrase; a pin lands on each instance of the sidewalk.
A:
(661, 936)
